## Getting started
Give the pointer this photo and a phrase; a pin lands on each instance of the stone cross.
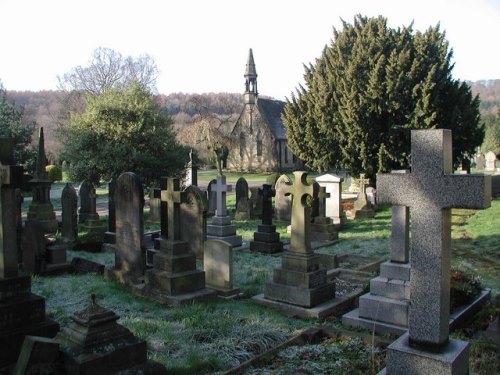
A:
(363, 182)
(220, 189)
(267, 192)
(301, 211)
(322, 197)
(431, 190)
(172, 196)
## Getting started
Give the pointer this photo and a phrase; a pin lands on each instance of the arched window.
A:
(242, 144)
(259, 143)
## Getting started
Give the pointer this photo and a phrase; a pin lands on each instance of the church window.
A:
(259, 144)
(242, 144)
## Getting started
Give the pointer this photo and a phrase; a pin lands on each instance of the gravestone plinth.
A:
(333, 203)
(218, 266)
(174, 279)
(300, 280)
(322, 227)
(94, 343)
(41, 208)
(266, 239)
(362, 206)
(431, 190)
(220, 227)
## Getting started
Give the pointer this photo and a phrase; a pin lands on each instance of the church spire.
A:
(251, 92)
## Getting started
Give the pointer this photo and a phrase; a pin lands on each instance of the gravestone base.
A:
(123, 276)
(266, 240)
(323, 230)
(452, 359)
(94, 227)
(45, 215)
(300, 296)
(360, 214)
(21, 313)
(225, 293)
(222, 229)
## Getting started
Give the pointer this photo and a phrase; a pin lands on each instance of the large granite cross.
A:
(220, 190)
(171, 197)
(10, 178)
(301, 211)
(267, 193)
(430, 190)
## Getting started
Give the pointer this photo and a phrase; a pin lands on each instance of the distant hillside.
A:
(489, 93)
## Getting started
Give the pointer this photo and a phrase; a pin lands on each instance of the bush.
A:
(464, 287)
(55, 172)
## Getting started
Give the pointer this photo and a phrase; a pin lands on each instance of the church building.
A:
(259, 133)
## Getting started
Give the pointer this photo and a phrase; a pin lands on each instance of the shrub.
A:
(464, 287)
(54, 171)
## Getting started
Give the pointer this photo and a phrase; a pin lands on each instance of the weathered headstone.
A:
(491, 159)
(282, 202)
(431, 190)
(220, 227)
(371, 195)
(322, 227)
(21, 312)
(110, 235)
(191, 172)
(33, 247)
(242, 206)
(69, 203)
(255, 203)
(218, 266)
(362, 206)
(92, 224)
(41, 208)
(480, 162)
(334, 210)
(154, 208)
(300, 281)
(94, 343)
(130, 256)
(174, 279)
(84, 196)
(193, 219)
(266, 239)
(212, 197)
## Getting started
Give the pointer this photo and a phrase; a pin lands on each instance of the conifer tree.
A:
(368, 89)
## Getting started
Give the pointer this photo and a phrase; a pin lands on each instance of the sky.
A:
(202, 45)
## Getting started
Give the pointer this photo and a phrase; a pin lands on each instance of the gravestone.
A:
(130, 255)
(371, 195)
(174, 279)
(385, 308)
(84, 196)
(220, 227)
(333, 186)
(300, 280)
(322, 228)
(41, 208)
(39, 355)
(110, 235)
(362, 206)
(94, 343)
(193, 219)
(33, 247)
(69, 203)
(242, 205)
(266, 239)
(92, 224)
(282, 202)
(154, 208)
(431, 190)
(21, 312)
(191, 172)
(19, 214)
(480, 162)
(491, 159)
(218, 266)
(212, 197)
(255, 203)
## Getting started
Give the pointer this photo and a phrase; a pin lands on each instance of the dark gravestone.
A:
(242, 199)
(193, 219)
(33, 247)
(69, 202)
(212, 197)
(282, 202)
(255, 203)
(83, 266)
(39, 355)
(266, 239)
(154, 208)
(130, 257)
(84, 196)
(110, 234)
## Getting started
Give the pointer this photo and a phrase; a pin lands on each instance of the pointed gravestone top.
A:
(431, 190)
(41, 160)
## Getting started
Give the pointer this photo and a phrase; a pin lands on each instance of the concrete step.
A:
(384, 309)
(391, 270)
(390, 288)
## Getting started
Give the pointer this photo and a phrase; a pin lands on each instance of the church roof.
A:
(271, 111)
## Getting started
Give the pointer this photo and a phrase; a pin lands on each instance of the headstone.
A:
(193, 219)
(92, 224)
(431, 190)
(220, 227)
(154, 208)
(69, 203)
(19, 214)
(242, 207)
(282, 202)
(33, 247)
(255, 203)
(130, 255)
(218, 266)
(84, 196)
(191, 172)
(371, 195)
(212, 197)
(362, 206)
(491, 159)
(21, 312)
(300, 281)
(480, 162)
(333, 186)
(266, 239)
(41, 208)
(322, 227)
(174, 279)
(39, 355)
(94, 343)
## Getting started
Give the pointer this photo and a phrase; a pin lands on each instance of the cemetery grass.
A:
(214, 336)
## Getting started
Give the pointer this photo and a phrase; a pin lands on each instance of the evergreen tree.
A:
(368, 89)
(122, 131)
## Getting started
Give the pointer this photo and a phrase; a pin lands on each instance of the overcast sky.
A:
(202, 45)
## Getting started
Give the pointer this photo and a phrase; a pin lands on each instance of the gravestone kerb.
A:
(431, 190)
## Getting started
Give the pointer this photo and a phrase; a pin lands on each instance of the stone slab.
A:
(390, 288)
(38, 355)
(235, 240)
(266, 247)
(266, 236)
(392, 270)
(266, 228)
(305, 297)
(221, 230)
(384, 309)
(353, 319)
(175, 284)
(221, 220)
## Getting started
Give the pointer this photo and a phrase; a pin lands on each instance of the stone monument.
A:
(218, 266)
(92, 224)
(191, 172)
(333, 203)
(362, 206)
(242, 204)
(84, 196)
(266, 239)
(211, 197)
(491, 159)
(431, 190)
(69, 202)
(193, 218)
(322, 228)
(283, 202)
(41, 208)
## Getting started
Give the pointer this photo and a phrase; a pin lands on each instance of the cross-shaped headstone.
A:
(430, 190)
(362, 200)
(163, 207)
(220, 189)
(322, 196)
(172, 196)
(301, 211)
(267, 193)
